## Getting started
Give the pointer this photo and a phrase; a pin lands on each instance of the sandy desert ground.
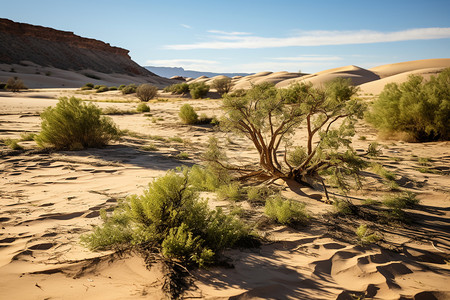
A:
(49, 199)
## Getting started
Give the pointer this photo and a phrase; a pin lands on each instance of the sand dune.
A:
(397, 68)
(50, 198)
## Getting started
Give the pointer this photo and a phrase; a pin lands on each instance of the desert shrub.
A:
(176, 139)
(182, 156)
(178, 88)
(121, 87)
(142, 107)
(188, 115)
(222, 85)
(149, 147)
(15, 84)
(344, 207)
(111, 110)
(418, 108)
(102, 88)
(297, 156)
(27, 136)
(146, 92)
(170, 218)
(203, 179)
(403, 200)
(285, 211)
(380, 170)
(129, 89)
(113, 88)
(198, 90)
(87, 86)
(259, 194)
(366, 236)
(231, 191)
(74, 125)
(13, 144)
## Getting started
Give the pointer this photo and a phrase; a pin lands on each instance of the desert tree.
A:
(222, 85)
(268, 117)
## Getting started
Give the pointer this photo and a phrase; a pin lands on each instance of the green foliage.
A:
(13, 144)
(178, 89)
(121, 87)
(259, 194)
(222, 85)
(231, 191)
(380, 170)
(129, 89)
(149, 147)
(400, 201)
(203, 179)
(188, 115)
(344, 207)
(88, 86)
(27, 136)
(102, 88)
(146, 92)
(176, 139)
(269, 116)
(15, 84)
(420, 109)
(75, 125)
(182, 156)
(287, 212)
(170, 217)
(198, 90)
(142, 107)
(112, 110)
(366, 236)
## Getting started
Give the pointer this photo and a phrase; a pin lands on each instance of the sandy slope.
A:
(50, 199)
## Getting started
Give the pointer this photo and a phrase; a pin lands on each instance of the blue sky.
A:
(252, 35)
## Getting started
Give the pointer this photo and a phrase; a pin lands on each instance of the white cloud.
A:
(309, 58)
(239, 40)
(238, 33)
(186, 26)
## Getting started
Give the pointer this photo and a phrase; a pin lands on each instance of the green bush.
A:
(188, 115)
(113, 88)
(365, 236)
(102, 88)
(121, 87)
(286, 211)
(204, 179)
(74, 125)
(13, 144)
(178, 88)
(198, 90)
(418, 108)
(222, 85)
(231, 191)
(344, 207)
(129, 89)
(146, 92)
(142, 107)
(169, 217)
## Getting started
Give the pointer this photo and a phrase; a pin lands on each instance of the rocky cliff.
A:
(63, 50)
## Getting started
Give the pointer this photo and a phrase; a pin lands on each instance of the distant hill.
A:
(29, 49)
(170, 72)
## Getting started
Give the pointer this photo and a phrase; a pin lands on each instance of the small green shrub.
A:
(403, 200)
(188, 115)
(380, 170)
(176, 139)
(344, 207)
(146, 92)
(259, 194)
(113, 88)
(231, 191)
(203, 179)
(102, 89)
(149, 147)
(142, 107)
(182, 156)
(87, 86)
(112, 110)
(129, 89)
(297, 156)
(178, 89)
(169, 217)
(198, 90)
(121, 87)
(75, 125)
(13, 144)
(366, 236)
(286, 212)
(27, 136)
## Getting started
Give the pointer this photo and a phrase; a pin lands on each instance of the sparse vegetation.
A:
(416, 109)
(146, 92)
(142, 107)
(182, 156)
(13, 144)
(222, 85)
(129, 89)
(366, 236)
(178, 89)
(170, 218)
(188, 115)
(15, 84)
(74, 125)
(285, 211)
(231, 191)
(198, 90)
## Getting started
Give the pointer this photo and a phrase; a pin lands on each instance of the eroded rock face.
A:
(62, 49)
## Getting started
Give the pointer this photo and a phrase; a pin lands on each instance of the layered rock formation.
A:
(63, 50)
